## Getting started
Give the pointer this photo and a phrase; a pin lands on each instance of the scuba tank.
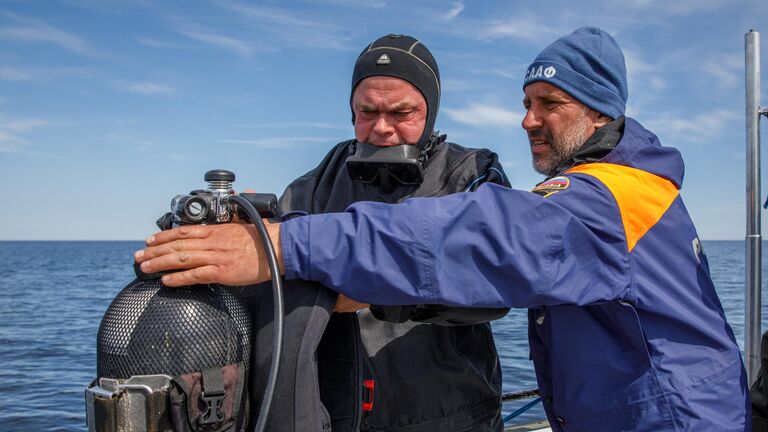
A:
(178, 359)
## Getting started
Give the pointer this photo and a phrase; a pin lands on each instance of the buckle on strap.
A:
(212, 413)
(212, 395)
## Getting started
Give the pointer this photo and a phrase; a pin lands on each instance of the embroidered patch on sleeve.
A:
(551, 186)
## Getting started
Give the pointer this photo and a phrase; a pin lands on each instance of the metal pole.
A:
(752, 318)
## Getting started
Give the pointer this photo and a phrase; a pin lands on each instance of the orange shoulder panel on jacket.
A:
(642, 197)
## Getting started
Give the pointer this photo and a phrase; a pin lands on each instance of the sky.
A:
(108, 109)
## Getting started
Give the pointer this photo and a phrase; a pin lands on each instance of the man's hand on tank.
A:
(229, 254)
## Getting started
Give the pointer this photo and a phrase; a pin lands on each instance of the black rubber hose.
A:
(278, 306)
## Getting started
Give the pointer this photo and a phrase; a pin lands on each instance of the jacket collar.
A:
(602, 142)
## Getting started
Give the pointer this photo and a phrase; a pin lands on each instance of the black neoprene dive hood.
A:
(403, 57)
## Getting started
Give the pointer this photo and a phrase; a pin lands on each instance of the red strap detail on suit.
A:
(368, 395)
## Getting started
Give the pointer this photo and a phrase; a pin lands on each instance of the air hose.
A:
(277, 303)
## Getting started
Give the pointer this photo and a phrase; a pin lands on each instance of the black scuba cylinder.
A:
(177, 359)
(150, 329)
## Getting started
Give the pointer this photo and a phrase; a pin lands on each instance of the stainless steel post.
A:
(752, 317)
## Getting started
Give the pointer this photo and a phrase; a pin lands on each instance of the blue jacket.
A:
(626, 330)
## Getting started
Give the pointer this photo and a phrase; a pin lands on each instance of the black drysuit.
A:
(443, 377)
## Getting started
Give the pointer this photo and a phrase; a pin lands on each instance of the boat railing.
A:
(519, 395)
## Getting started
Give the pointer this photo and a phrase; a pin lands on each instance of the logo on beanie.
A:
(540, 72)
(383, 60)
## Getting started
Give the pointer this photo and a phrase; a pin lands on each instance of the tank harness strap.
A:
(158, 414)
(105, 414)
(212, 396)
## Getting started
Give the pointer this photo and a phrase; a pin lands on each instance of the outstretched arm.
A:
(496, 247)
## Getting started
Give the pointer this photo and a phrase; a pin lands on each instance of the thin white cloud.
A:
(375, 4)
(478, 63)
(509, 163)
(9, 143)
(280, 125)
(697, 129)
(105, 6)
(677, 7)
(177, 157)
(545, 22)
(28, 30)
(636, 65)
(23, 73)
(12, 132)
(148, 88)
(641, 75)
(289, 27)
(8, 73)
(485, 115)
(527, 28)
(700, 65)
(726, 69)
(657, 83)
(23, 124)
(455, 10)
(155, 43)
(455, 85)
(227, 43)
(278, 142)
(138, 144)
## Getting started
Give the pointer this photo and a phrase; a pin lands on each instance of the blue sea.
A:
(53, 295)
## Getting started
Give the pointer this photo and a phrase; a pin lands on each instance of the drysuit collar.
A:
(602, 142)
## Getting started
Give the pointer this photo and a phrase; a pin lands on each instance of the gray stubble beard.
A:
(563, 145)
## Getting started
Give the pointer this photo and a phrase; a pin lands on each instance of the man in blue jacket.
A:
(626, 330)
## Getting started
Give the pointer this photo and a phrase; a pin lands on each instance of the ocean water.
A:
(53, 295)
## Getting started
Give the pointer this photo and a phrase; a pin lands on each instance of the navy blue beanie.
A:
(589, 65)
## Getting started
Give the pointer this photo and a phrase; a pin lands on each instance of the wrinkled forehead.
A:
(393, 90)
(541, 88)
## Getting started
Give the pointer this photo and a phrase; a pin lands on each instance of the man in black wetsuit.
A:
(443, 377)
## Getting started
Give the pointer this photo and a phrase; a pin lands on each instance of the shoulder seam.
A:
(642, 198)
